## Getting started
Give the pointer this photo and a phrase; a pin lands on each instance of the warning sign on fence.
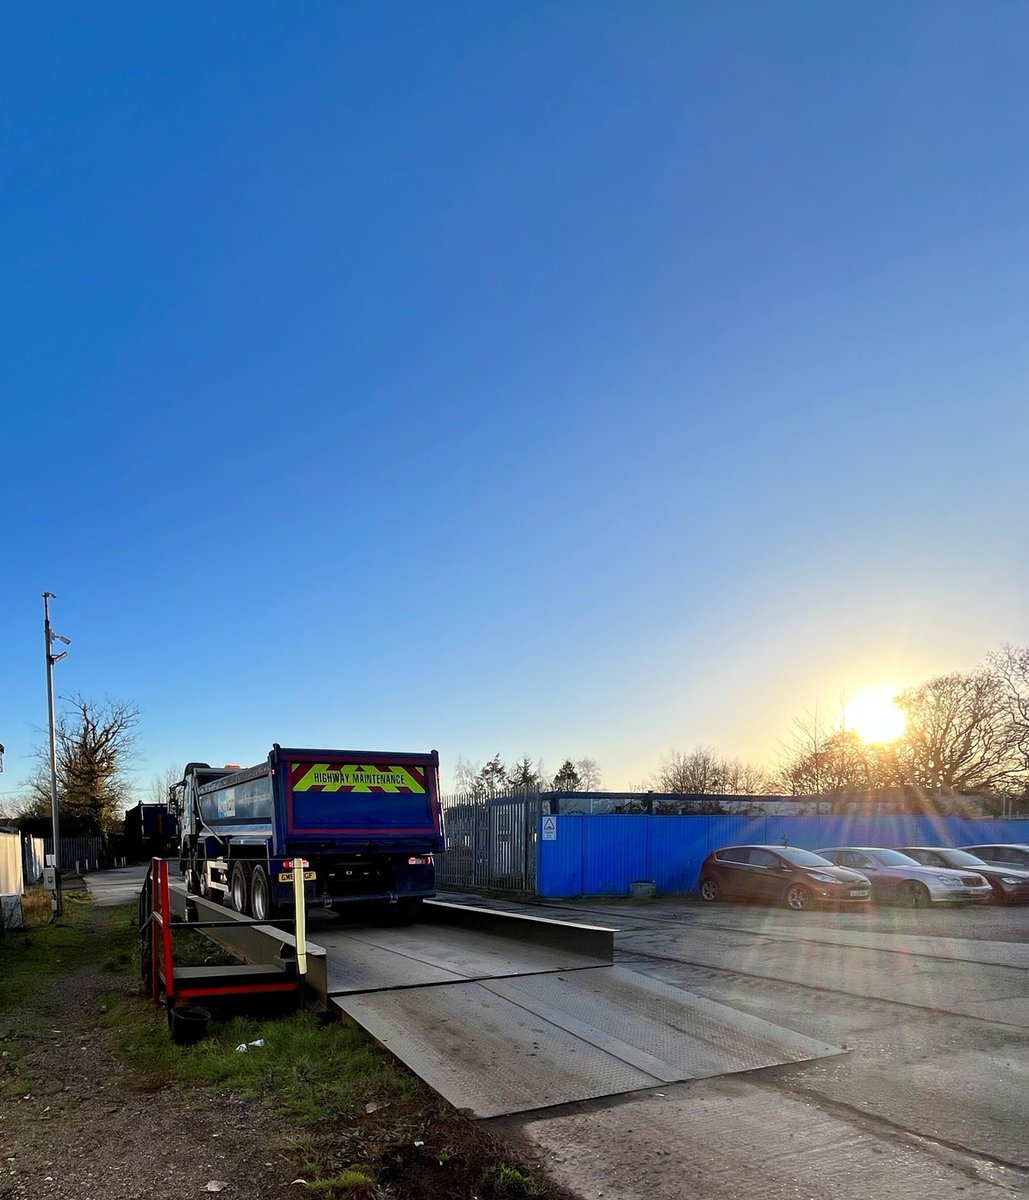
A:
(549, 829)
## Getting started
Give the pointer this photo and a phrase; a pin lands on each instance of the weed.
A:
(350, 1182)
(501, 1182)
(37, 906)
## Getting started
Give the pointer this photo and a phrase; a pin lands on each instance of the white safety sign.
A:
(549, 829)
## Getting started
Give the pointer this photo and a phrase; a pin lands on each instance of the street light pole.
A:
(50, 637)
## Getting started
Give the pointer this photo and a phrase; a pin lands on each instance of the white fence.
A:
(12, 882)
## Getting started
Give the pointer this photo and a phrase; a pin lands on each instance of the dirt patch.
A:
(78, 1124)
(86, 1130)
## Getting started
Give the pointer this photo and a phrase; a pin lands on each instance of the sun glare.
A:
(874, 717)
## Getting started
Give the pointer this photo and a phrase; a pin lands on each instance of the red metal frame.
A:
(162, 955)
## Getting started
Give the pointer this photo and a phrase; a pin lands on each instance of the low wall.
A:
(602, 855)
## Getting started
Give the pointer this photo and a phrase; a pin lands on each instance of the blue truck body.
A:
(367, 824)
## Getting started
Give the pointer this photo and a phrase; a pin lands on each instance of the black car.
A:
(780, 875)
(1003, 854)
(1010, 884)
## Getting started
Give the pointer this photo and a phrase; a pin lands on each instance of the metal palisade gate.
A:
(491, 842)
(81, 853)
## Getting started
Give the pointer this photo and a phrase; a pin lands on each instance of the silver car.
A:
(898, 879)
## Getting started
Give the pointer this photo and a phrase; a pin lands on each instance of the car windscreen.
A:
(963, 858)
(803, 858)
(893, 858)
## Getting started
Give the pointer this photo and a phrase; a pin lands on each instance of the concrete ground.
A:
(931, 1101)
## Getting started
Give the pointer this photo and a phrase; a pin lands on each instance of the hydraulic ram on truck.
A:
(367, 824)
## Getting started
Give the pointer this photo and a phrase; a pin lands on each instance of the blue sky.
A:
(558, 379)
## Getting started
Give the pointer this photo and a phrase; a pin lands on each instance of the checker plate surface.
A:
(516, 1044)
(369, 959)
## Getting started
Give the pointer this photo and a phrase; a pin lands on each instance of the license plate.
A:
(859, 893)
(287, 876)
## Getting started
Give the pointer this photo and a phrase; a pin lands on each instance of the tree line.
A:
(494, 778)
(967, 733)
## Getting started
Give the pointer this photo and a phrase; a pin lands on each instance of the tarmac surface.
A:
(931, 1101)
(116, 886)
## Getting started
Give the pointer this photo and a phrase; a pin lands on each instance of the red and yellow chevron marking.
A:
(356, 777)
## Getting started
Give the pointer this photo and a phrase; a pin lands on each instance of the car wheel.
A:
(798, 898)
(914, 894)
(238, 888)
(709, 890)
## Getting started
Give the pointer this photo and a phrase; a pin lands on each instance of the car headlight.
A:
(1004, 879)
(823, 878)
(949, 881)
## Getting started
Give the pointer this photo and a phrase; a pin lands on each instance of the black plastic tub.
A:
(188, 1024)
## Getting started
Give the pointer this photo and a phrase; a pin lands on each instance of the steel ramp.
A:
(502, 1046)
(505, 1013)
(370, 959)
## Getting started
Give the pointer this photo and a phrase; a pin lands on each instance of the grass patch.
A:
(31, 959)
(508, 1183)
(350, 1115)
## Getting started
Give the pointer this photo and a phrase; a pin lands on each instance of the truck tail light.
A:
(420, 860)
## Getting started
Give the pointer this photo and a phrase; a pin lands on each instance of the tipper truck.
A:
(365, 823)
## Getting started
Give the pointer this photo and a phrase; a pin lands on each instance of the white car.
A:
(897, 878)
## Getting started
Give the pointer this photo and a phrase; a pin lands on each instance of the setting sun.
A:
(874, 717)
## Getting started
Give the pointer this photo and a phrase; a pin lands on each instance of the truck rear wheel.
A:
(239, 888)
(192, 877)
(262, 906)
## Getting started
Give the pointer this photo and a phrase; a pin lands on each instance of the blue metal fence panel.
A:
(601, 855)
(728, 831)
(614, 853)
(676, 853)
(560, 860)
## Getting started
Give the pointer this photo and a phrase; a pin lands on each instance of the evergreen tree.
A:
(523, 775)
(492, 778)
(567, 777)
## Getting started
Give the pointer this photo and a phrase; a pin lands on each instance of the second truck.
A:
(366, 823)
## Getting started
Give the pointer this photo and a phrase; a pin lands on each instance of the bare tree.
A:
(744, 779)
(705, 772)
(803, 766)
(960, 736)
(1010, 666)
(96, 743)
(162, 783)
(466, 776)
(589, 774)
(816, 764)
(692, 774)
